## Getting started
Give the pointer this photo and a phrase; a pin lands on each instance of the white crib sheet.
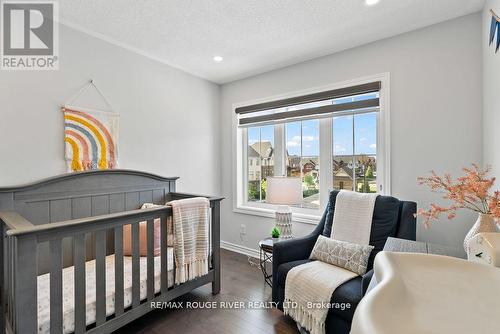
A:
(68, 290)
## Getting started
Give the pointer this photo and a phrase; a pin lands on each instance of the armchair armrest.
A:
(287, 251)
(296, 249)
(293, 250)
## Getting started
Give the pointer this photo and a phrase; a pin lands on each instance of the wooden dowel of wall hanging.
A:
(495, 15)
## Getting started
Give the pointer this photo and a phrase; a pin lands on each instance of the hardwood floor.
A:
(241, 282)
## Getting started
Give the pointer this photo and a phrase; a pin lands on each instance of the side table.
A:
(266, 258)
(410, 246)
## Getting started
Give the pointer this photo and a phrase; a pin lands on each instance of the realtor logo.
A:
(30, 38)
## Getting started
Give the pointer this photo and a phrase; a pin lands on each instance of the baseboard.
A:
(239, 249)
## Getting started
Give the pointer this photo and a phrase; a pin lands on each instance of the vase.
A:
(484, 223)
(284, 222)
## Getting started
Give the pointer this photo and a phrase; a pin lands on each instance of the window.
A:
(332, 139)
(260, 158)
(302, 158)
(355, 150)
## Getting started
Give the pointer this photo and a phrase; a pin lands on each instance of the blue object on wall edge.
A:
(495, 28)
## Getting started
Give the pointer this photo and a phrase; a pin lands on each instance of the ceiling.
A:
(253, 36)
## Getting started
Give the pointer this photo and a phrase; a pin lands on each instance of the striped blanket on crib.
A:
(191, 240)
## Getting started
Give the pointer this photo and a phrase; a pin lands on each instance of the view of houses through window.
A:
(302, 158)
(354, 154)
(260, 160)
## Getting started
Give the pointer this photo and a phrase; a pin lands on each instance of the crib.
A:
(63, 267)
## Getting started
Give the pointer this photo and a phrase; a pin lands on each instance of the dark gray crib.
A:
(70, 219)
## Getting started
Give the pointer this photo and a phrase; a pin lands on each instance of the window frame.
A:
(311, 216)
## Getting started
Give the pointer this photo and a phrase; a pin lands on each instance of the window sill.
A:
(299, 217)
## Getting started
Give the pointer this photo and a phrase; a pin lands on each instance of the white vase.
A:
(484, 223)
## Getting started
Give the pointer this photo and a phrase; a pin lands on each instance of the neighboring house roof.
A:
(264, 148)
(360, 158)
(296, 159)
(252, 152)
(340, 162)
(311, 160)
(343, 171)
(341, 167)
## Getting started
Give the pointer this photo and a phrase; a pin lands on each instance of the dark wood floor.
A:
(240, 282)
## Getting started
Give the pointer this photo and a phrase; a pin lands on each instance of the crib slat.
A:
(79, 263)
(100, 274)
(9, 279)
(56, 301)
(25, 285)
(2, 279)
(119, 271)
(163, 255)
(136, 270)
(150, 260)
(12, 260)
(216, 247)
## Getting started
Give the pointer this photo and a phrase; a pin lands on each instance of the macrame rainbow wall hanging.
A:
(91, 139)
(495, 29)
(90, 135)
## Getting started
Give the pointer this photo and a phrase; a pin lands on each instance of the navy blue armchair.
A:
(391, 218)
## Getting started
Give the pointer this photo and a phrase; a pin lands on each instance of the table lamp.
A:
(284, 191)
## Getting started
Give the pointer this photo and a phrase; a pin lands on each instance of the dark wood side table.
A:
(266, 258)
(409, 246)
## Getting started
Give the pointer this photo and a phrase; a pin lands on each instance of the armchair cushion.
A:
(385, 221)
(384, 224)
(348, 293)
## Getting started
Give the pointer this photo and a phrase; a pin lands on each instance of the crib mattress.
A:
(68, 290)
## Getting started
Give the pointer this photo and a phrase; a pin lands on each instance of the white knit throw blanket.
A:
(309, 287)
(191, 241)
(352, 219)
(308, 290)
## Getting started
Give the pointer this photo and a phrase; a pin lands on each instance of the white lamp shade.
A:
(284, 190)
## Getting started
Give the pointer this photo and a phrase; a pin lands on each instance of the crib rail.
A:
(22, 239)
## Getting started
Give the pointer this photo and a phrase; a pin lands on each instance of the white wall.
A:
(171, 125)
(491, 87)
(436, 80)
(168, 118)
